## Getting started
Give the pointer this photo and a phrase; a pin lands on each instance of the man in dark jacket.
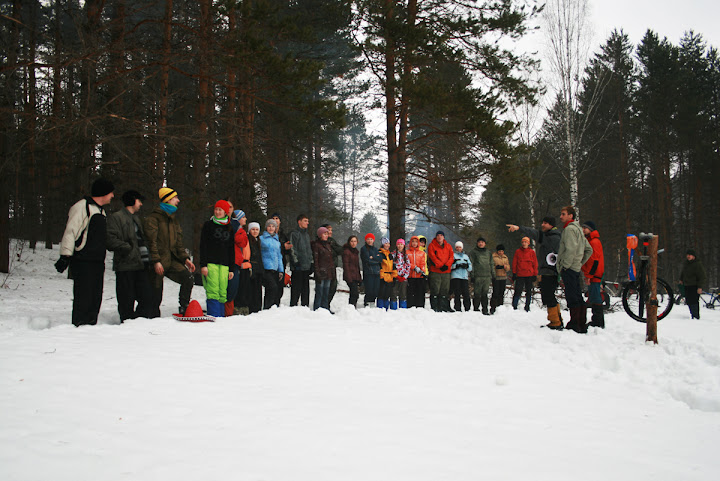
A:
(131, 258)
(168, 256)
(83, 249)
(547, 240)
(301, 261)
(337, 251)
(370, 259)
(693, 278)
(482, 272)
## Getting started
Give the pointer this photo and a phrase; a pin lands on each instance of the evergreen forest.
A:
(275, 105)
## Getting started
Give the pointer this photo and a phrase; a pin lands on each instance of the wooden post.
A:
(652, 305)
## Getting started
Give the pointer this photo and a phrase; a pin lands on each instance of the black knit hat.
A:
(549, 219)
(481, 238)
(130, 196)
(276, 215)
(691, 252)
(500, 247)
(589, 224)
(101, 187)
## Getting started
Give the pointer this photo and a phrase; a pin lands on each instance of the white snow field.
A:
(294, 395)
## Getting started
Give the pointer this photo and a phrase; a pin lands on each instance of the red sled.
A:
(194, 313)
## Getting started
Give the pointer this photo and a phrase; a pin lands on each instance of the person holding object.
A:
(131, 258)
(441, 258)
(692, 277)
(83, 250)
(502, 267)
(547, 241)
(573, 252)
(168, 256)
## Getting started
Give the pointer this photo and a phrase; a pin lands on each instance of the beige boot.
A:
(554, 318)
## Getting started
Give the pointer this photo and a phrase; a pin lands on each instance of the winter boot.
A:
(476, 304)
(493, 305)
(515, 302)
(380, 304)
(402, 304)
(484, 304)
(229, 308)
(434, 303)
(694, 311)
(598, 316)
(393, 305)
(445, 304)
(577, 323)
(215, 308)
(554, 318)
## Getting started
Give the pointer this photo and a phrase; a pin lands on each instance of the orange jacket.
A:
(417, 259)
(594, 268)
(440, 256)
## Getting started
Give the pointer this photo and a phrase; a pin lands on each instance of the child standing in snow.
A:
(525, 271)
(402, 263)
(459, 284)
(217, 253)
(388, 273)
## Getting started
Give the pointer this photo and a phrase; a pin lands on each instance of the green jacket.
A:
(482, 263)
(574, 249)
(122, 240)
(164, 238)
(693, 273)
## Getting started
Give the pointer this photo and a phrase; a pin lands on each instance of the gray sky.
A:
(668, 18)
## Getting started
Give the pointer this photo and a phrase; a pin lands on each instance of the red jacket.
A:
(594, 268)
(525, 263)
(440, 256)
(242, 249)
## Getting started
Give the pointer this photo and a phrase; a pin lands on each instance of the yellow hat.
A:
(166, 193)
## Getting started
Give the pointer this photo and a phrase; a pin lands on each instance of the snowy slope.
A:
(291, 394)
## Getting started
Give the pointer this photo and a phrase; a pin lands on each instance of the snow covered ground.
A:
(291, 394)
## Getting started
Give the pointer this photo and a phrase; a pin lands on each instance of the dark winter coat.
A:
(122, 240)
(256, 261)
(351, 264)
(301, 255)
(164, 238)
(217, 244)
(370, 257)
(546, 243)
(482, 263)
(324, 260)
(337, 251)
(693, 273)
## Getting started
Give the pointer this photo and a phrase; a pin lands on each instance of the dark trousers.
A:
(255, 293)
(300, 288)
(548, 286)
(692, 299)
(573, 291)
(372, 285)
(385, 291)
(461, 288)
(176, 273)
(131, 287)
(333, 290)
(270, 281)
(354, 292)
(87, 291)
(498, 293)
(416, 292)
(522, 283)
(242, 295)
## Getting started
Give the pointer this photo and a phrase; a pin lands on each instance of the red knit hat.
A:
(369, 236)
(224, 205)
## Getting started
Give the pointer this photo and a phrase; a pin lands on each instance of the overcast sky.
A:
(668, 18)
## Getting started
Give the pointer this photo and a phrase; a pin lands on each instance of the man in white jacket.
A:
(83, 249)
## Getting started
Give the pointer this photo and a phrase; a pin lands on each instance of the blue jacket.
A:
(370, 257)
(461, 272)
(271, 252)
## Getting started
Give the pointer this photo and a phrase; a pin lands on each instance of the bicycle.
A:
(636, 293)
(711, 299)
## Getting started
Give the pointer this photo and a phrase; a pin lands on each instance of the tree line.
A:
(648, 124)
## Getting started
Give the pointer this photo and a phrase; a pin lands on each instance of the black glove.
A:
(62, 264)
(499, 267)
(443, 268)
(463, 265)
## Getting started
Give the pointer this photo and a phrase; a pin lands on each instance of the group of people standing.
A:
(237, 260)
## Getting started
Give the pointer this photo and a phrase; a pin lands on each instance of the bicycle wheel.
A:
(635, 299)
